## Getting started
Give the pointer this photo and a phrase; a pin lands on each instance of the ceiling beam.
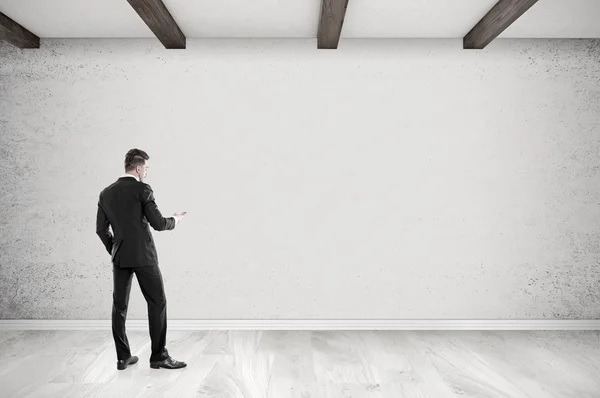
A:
(504, 13)
(17, 35)
(161, 23)
(330, 23)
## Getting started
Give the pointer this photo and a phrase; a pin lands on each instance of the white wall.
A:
(384, 180)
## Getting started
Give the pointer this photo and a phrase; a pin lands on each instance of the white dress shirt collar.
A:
(130, 175)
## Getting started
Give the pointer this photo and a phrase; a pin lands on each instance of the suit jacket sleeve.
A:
(153, 215)
(102, 229)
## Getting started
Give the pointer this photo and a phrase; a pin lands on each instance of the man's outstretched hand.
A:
(179, 216)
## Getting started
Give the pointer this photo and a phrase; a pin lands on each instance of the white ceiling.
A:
(299, 18)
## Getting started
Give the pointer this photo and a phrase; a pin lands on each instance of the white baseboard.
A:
(307, 324)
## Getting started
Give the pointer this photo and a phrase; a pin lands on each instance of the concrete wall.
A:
(385, 180)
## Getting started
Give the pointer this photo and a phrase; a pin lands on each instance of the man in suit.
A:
(129, 207)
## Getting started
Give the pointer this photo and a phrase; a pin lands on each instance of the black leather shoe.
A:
(122, 363)
(168, 363)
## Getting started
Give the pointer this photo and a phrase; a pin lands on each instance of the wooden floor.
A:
(284, 364)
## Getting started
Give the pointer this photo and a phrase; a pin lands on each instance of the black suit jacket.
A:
(128, 206)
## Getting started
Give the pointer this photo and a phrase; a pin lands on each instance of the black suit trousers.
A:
(152, 287)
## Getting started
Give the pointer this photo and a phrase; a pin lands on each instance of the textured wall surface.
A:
(386, 179)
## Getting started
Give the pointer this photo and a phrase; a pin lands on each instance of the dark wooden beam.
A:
(330, 23)
(504, 13)
(161, 23)
(17, 35)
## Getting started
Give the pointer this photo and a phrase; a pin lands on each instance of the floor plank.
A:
(301, 364)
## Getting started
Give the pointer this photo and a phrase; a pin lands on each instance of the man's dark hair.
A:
(134, 158)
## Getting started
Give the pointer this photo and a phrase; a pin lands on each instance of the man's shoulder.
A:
(109, 188)
(121, 184)
(105, 190)
(146, 191)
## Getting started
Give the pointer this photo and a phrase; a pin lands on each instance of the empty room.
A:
(301, 198)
